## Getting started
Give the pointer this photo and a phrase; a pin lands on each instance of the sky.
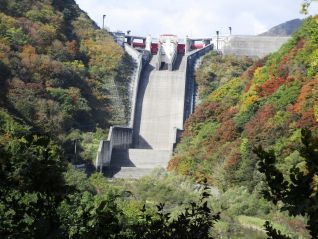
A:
(195, 18)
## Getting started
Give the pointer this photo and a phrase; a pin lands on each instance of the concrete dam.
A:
(162, 97)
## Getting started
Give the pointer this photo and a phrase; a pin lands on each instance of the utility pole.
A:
(217, 40)
(104, 21)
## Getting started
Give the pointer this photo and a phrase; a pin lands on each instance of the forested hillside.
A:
(63, 80)
(59, 73)
(267, 105)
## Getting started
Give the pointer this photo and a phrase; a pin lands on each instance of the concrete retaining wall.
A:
(103, 154)
(253, 46)
(118, 138)
(122, 137)
(189, 97)
(176, 138)
(138, 57)
(190, 84)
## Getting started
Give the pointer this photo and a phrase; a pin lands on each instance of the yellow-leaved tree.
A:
(305, 5)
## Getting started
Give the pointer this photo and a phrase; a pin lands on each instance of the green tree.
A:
(17, 37)
(194, 222)
(90, 217)
(31, 187)
(299, 194)
(305, 5)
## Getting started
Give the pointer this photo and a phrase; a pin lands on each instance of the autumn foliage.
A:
(58, 71)
(50, 44)
(268, 104)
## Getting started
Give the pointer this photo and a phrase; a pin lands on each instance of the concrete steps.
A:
(127, 172)
(141, 158)
(136, 163)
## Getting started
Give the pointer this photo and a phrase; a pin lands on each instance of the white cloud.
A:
(251, 23)
(193, 17)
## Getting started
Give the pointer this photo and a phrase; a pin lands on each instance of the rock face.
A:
(284, 29)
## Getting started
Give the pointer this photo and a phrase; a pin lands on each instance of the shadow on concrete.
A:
(177, 64)
(110, 172)
(164, 66)
(141, 143)
(120, 158)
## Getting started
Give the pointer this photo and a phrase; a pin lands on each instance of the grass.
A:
(256, 223)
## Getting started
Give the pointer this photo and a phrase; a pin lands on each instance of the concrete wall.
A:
(159, 60)
(253, 46)
(118, 138)
(189, 96)
(138, 57)
(176, 137)
(193, 57)
(103, 154)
